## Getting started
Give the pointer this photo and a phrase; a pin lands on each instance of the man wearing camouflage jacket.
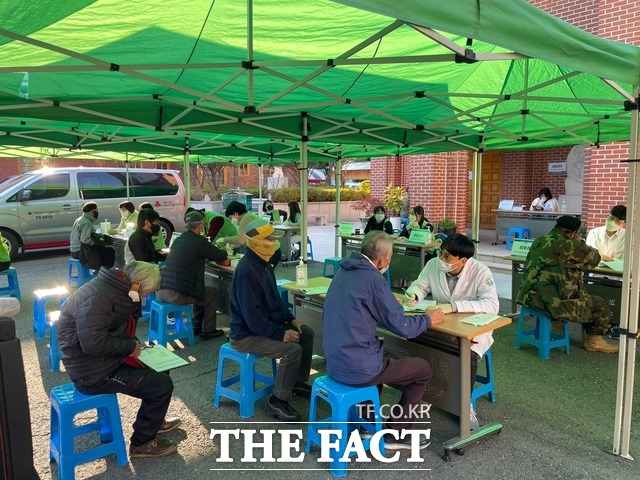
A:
(553, 283)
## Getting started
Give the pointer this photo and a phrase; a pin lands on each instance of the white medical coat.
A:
(475, 292)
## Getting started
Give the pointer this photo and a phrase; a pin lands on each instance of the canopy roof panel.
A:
(374, 77)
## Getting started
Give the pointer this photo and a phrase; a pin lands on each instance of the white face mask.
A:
(446, 267)
(611, 226)
(379, 217)
(135, 296)
(124, 213)
(384, 270)
(235, 222)
(412, 218)
(543, 198)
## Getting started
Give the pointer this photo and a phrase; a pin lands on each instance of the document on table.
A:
(420, 306)
(617, 265)
(480, 319)
(315, 290)
(158, 358)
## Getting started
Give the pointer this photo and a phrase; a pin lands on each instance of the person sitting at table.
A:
(553, 283)
(379, 221)
(5, 259)
(216, 225)
(545, 202)
(609, 239)
(261, 324)
(416, 220)
(357, 303)
(459, 283)
(158, 240)
(91, 248)
(140, 245)
(183, 276)
(294, 220)
(273, 214)
(96, 334)
(240, 218)
(128, 214)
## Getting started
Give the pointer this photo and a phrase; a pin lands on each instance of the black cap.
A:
(570, 223)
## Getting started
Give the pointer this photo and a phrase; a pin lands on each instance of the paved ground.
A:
(557, 414)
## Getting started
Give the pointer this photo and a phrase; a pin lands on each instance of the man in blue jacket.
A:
(261, 324)
(358, 301)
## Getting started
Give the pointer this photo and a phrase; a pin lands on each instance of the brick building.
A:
(440, 182)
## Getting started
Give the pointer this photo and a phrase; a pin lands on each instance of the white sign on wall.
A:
(558, 167)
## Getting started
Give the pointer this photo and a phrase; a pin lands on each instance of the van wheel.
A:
(166, 232)
(11, 242)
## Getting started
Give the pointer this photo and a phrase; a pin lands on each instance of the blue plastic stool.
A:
(247, 394)
(343, 400)
(146, 308)
(404, 222)
(66, 403)
(82, 276)
(13, 287)
(310, 252)
(334, 262)
(388, 275)
(440, 236)
(158, 326)
(284, 294)
(54, 347)
(517, 232)
(541, 337)
(488, 385)
(40, 323)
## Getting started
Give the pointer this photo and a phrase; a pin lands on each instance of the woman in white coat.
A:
(459, 283)
(545, 202)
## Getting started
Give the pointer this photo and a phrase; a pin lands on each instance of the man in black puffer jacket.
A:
(95, 332)
(183, 276)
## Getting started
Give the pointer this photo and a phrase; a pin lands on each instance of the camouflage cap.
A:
(570, 223)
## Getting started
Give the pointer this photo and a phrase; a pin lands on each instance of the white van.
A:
(37, 209)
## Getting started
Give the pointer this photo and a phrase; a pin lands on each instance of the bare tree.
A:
(345, 163)
(290, 171)
(212, 174)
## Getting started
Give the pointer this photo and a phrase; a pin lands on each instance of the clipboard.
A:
(158, 358)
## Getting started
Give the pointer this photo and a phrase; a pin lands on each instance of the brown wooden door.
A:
(490, 188)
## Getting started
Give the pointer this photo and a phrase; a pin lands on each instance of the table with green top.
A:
(445, 346)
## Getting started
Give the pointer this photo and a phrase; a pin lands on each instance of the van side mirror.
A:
(25, 195)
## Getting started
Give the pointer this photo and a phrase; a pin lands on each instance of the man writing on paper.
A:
(99, 351)
(609, 239)
(261, 324)
(357, 303)
(554, 283)
(459, 283)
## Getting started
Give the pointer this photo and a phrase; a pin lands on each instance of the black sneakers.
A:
(281, 410)
(302, 390)
(209, 335)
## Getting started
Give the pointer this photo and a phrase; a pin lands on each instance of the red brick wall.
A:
(581, 13)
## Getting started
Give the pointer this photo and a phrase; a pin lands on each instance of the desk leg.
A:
(514, 271)
(466, 438)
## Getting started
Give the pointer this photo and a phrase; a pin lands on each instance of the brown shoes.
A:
(597, 343)
(169, 425)
(156, 448)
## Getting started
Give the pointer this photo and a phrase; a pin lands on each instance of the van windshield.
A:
(12, 181)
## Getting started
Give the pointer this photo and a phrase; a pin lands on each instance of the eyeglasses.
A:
(446, 256)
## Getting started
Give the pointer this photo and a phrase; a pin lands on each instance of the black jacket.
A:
(142, 247)
(183, 270)
(256, 306)
(92, 329)
(384, 225)
(424, 224)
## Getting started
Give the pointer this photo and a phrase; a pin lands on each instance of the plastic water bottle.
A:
(429, 235)
(563, 207)
(301, 274)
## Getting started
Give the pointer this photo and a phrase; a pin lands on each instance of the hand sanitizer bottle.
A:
(563, 207)
(301, 274)
(429, 238)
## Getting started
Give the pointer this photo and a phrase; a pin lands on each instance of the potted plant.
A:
(393, 198)
(447, 226)
(366, 206)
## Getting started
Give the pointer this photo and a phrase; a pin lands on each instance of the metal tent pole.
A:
(126, 163)
(260, 180)
(250, 52)
(187, 173)
(475, 205)
(303, 186)
(337, 222)
(629, 303)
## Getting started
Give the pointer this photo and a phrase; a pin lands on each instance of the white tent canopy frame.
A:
(375, 125)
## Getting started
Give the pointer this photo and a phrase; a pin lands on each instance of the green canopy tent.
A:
(386, 76)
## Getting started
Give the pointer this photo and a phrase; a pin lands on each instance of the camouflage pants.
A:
(598, 317)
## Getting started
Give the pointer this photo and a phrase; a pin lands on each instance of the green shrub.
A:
(315, 194)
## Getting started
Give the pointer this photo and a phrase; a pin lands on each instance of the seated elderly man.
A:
(89, 247)
(459, 283)
(261, 324)
(183, 276)
(358, 302)
(99, 349)
(140, 245)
